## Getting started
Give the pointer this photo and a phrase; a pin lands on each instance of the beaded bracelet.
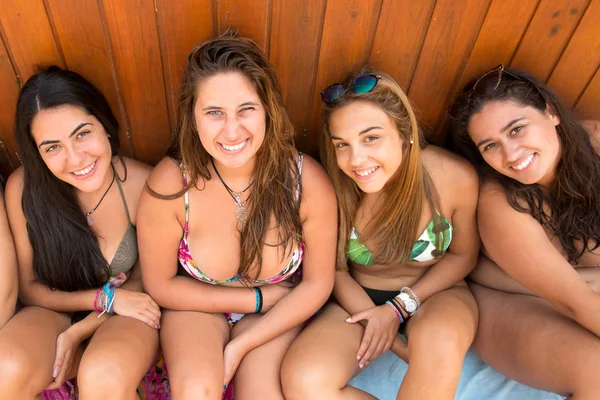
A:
(389, 303)
(105, 296)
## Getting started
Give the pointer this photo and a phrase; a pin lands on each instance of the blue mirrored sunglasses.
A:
(362, 84)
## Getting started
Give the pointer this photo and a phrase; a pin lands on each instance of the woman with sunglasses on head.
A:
(8, 268)
(538, 279)
(239, 209)
(72, 210)
(407, 239)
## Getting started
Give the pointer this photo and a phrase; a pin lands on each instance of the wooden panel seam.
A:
(586, 86)
(166, 82)
(10, 55)
(113, 68)
(372, 32)
(61, 55)
(422, 42)
(514, 53)
(268, 26)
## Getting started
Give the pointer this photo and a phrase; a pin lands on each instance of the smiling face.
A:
(517, 141)
(74, 146)
(230, 119)
(368, 146)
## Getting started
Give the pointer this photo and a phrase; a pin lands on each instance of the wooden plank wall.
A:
(134, 51)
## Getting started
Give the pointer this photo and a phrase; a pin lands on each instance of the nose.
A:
(358, 156)
(231, 128)
(510, 151)
(75, 156)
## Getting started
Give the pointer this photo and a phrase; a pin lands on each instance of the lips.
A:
(525, 163)
(365, 173)
(85, 171)
(235, 147)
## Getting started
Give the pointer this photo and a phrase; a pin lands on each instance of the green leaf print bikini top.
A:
(425, 248)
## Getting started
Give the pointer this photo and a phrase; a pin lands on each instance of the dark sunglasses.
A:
(464, 100)
(362, 84)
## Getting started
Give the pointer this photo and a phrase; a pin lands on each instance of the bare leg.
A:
(259, 373)
(27, 352)
(439, 336)
(528, 340)
(193, 343)
(322, 360)
(116, 359)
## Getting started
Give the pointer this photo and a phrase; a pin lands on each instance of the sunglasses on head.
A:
(360, 85)
(464, 100)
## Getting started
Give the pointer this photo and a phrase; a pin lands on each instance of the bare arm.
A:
(8, 269)
(319, 213)
(520, 246)
(462, 254)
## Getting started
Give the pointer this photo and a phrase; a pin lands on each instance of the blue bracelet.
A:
(110, 296)
(258, 300)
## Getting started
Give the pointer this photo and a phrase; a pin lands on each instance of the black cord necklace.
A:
(88, 214)
(241, 214)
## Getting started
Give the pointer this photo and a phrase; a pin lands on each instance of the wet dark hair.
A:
(66, 253)
(573, 200)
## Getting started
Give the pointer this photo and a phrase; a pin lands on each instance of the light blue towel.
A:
(478, 381)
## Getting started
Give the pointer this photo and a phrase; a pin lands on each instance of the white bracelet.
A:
(412, 294)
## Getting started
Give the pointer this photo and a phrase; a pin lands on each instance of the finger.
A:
(62, 375)
(364, 344)
(58, 362)
(155, 311)
(146, 319)
(369, 353)
(154, 305)
(358, 317)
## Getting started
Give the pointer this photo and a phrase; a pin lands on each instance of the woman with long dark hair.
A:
(72, 210)
(407, 239)
(238, 209)
(537, 281)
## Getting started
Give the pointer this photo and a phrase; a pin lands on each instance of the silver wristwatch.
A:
(410, 305)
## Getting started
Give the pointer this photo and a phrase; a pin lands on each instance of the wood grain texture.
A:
(580, 59)
(296, 35)
(132, 30)
(547, 35)
(341, 53)
(182, 25)
(447, 45)
(28, 36)
(589, 103)
(9, 91)
(79, 30)
(400, 34)
(250, 18)
(504, 26)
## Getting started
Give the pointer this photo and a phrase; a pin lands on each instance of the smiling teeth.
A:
(524, 164)
(85, 171)
(234, 148)
(366, 172)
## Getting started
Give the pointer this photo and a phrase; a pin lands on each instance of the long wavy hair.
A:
(393, 228)
(571, 206)
(66, 253)
(276, 176)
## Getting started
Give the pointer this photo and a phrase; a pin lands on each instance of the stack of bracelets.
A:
(406, 301)
(259, 300)
(105, 296)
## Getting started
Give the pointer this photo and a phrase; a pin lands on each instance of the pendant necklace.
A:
(241, 214)
(88, 214)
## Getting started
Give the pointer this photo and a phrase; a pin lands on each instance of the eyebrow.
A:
(506, 127)
(248, 103)
(81, 125)
(366, 130)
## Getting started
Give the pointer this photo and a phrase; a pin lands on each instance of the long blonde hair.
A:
(393, 228)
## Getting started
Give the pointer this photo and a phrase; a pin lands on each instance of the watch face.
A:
(411, 306)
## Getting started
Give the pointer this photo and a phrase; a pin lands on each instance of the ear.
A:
(552, 115)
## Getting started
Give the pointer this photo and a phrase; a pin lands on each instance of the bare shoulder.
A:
(443, 164)
(136, 174)
(14, 187)
(593, 127)
(166, 177)
(317, 189)
(493, 202)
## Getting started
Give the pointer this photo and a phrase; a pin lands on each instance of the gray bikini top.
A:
(127, 252)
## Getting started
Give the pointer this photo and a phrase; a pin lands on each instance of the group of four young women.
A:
(241, 239)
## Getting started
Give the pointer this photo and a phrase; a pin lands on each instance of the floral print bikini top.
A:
(185, 257)
(424, 249)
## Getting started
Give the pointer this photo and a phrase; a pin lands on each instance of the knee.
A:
(196, 388)
(306, 379)
(15, 372)
(440, 345)
(103, 376)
